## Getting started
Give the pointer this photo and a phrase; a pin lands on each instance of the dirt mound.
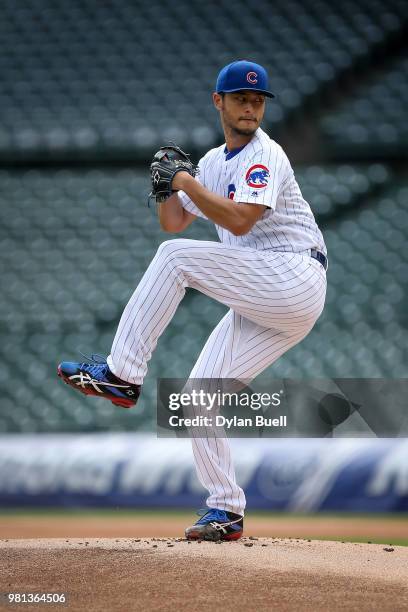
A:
(171, 574)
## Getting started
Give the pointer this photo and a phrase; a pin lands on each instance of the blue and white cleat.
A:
(97, 379)
(215, 525)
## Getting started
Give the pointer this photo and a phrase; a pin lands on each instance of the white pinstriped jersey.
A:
(260, 173)
(273, 290)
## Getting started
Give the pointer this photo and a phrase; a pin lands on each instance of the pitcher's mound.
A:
(173, 574)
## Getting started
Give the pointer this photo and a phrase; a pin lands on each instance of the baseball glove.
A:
(165, 164)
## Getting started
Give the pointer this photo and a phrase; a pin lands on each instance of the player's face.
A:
(242, 111)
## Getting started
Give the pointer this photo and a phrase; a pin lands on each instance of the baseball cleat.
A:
(97, 379)
(216, 525)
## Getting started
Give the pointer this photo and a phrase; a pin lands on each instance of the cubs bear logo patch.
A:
(257, 176)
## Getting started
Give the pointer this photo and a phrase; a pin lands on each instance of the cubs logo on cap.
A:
(251, 78)
(257, 176)
(241, 75)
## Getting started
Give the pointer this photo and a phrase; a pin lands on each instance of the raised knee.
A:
(169, 248)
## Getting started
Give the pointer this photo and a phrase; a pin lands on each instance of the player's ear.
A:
(218, 101)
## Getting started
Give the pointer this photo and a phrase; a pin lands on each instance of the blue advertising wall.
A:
(140, 471)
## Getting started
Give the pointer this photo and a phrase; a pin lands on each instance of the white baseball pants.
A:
(274, 298)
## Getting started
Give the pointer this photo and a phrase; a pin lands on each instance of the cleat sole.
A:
(208, 533)
(123, 403)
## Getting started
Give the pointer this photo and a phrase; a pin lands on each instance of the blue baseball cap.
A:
(241, 75)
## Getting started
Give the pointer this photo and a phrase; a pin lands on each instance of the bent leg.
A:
(240, 349)
(277, 290)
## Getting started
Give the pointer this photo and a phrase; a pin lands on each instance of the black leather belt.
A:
(320, 258)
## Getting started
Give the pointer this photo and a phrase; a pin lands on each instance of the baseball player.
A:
(269, 268)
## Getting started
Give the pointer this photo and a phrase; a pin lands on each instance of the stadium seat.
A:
(56, 305)
(117, 81)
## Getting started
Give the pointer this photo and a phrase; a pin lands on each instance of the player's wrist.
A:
(181, 180)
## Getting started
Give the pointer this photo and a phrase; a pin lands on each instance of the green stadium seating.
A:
(375, 119)
(71, 265)
(90, 90)
(87, 81)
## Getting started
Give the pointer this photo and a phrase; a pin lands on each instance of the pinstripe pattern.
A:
(272, 289)
(275, 299)
(275, 292)
(288, 224)
(253, 348)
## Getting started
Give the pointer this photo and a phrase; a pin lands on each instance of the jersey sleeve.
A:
(262, 177)
(186, 202)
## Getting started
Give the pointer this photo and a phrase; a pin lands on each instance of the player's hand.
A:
(167, 163)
